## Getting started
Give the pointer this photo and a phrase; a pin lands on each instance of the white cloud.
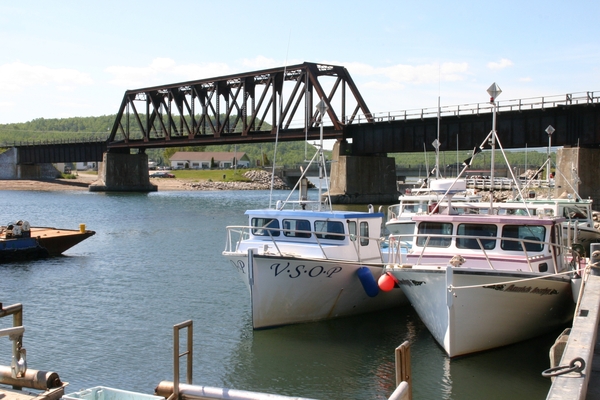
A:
(166, 70)
(162, 64)
(65, 88)
(260, 62)
(73, 106)
(526, 79)
(17, 77)
(503, 63)
(383, 86)
(412, 74)
(162, 71)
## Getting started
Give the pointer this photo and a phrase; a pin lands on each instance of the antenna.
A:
(278, 125)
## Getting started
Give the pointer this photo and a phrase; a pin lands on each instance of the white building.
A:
(208, 159)
(77, 166)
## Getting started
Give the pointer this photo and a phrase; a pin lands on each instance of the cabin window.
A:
(466, 210)
(333, 230)
(259, 225)
(556, 237)
(364, 233)
(526, 232)
(432, 230)
(298, 228)
(352, 230)
(574, 212)
(412, 208)
(482, 231)
(513, 211)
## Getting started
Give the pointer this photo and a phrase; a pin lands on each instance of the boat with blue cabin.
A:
(302, 261)
(308, 265)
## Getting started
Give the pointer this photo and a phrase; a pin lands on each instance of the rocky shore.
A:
(259, 180)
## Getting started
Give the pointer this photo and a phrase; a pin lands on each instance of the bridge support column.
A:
(581, 168)
(362, 179)
(120, 172)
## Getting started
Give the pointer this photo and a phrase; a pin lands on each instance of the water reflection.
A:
(344, 358)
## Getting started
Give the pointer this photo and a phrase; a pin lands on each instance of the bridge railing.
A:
(478, 108)
(532, 103)
(26, 143)
(507, 183)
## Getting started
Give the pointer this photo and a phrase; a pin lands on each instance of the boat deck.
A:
(56, 241)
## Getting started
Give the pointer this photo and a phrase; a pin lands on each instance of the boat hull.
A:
(57, 241)
(495, 313)
(290, 290)
(40, 243)
(20, 249)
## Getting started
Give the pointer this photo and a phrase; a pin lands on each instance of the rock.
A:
(261, 180)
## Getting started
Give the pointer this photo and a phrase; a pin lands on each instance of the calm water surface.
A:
(102, 315)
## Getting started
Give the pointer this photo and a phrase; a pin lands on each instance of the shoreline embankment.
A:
(259, 180)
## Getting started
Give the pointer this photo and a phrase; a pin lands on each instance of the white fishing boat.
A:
(485, 281)
(422, 201)
(302, 261)
(579, 227)
(307, 265)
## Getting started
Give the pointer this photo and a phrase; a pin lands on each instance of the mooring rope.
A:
(452, 287)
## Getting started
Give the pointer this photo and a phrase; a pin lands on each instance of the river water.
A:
(103, 314)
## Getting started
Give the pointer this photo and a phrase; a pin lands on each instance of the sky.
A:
(76, 58)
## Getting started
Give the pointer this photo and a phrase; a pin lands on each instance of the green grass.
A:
(217, 175)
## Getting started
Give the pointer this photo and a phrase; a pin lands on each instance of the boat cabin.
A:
(298, 231)
(487, 241)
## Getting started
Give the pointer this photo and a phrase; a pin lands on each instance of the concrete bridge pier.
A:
(11, 169)
(362, 179)
(580, 167)
(123, 172)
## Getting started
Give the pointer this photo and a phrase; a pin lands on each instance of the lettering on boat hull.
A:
(523, 289)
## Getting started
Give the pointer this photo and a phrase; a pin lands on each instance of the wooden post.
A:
(403, 372)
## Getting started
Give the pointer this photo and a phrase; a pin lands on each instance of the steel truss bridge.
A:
(242, 108)
(279, 103)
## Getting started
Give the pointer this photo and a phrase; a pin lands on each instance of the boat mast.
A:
(321, 107)
(494, 91)
(549, 131)
(437, 144)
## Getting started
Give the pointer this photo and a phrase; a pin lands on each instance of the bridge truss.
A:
(242, 108)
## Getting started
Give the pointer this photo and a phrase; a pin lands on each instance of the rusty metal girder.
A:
(60, 152)
(238, 108)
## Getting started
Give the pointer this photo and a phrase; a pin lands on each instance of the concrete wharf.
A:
(577, 375)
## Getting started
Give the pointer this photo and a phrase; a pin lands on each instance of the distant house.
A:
(77, 166)
(203, 160)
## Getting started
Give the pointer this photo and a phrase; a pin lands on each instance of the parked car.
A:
(161, 175)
